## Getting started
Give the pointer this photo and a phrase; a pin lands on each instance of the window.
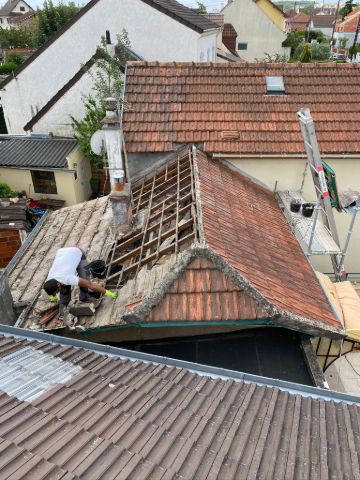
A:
(22, 9)
(275, 85)
(44, 182)
(242, 46)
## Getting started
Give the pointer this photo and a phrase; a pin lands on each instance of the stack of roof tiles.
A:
(174, 103)
(121, 418)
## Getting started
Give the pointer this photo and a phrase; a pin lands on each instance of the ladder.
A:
(323, 199)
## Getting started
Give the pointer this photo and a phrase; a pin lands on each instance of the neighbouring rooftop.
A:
(208, 246)
(111, 413)
(176, 103)
(35, 152)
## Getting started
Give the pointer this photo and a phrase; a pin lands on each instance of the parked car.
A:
(337, 56)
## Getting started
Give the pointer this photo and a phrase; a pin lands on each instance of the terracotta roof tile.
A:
(244, 224)
(189, 102)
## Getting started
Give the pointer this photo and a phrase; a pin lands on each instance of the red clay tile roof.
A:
(300, 17)
(245, 226)
(175, 103)
(203, 293)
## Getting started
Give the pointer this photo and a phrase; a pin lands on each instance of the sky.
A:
(211, 4)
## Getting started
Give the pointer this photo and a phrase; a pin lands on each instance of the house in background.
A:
(347, 29)
(12, 10)
(323, 23)
(45, 168)
(247, 114)
(157, 30)
(259, 26)
(300, 21)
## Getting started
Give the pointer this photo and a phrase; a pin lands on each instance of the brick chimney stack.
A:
(120, 195)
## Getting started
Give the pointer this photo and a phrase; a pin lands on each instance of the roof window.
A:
(275, 85)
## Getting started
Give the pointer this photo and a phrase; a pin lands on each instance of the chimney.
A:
(229, 36)
(120, 195)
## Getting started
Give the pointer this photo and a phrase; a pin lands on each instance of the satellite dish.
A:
(97, 142)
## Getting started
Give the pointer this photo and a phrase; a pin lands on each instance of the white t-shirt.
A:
(65, 264)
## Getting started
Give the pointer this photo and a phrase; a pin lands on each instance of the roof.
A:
(300, 17)
(229, 36)
(175, 103)
(350, 21)
(127, 415)
(9, 6)
(171, 8)
(22, 18)
(217, 18)
(212, 253)
(28, 152)
(323, 20)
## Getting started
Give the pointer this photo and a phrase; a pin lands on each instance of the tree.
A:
(305, 55)
(51, 18)
(107, 82)
(342, 41)
(15, 57)
(16, 38)
(320, 52)
(201, 8)
(293, 40)
(347, 8)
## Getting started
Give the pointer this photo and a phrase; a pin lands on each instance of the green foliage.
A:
(5, 191)
(293, 40)
(305, 55)
(347, 8)
(15, 57)
(16, 38)
(273, 58)
(353, 51)
(107, 82)
(7, 67)
(51, 18)
(342, 41)
(320, 52)
(87, 126)
(316, 35)
(201, 8)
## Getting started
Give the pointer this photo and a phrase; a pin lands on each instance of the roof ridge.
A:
(243, 65)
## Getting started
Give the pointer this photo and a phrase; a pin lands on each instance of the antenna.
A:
(97, 142)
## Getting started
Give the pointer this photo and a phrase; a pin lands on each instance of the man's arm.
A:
(94, 286)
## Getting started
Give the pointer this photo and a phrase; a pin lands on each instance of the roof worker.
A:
(62, 276)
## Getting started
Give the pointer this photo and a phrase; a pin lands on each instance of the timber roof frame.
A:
(170, 222)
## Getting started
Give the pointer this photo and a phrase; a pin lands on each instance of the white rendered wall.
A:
(255, 28)
(18, 6)
(153, 35)
(289, 173)
(58, 119)
(207, 45)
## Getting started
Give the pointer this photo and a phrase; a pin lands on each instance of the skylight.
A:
(275, 85)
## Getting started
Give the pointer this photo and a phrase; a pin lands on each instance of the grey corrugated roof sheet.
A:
(129, 418)
(35, 152)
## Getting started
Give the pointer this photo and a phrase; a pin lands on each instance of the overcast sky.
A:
(211, 4)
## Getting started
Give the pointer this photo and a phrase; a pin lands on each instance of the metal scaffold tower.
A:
(318, 234)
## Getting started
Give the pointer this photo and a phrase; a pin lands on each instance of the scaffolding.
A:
(317, 234)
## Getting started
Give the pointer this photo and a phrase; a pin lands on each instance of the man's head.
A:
(51, 286)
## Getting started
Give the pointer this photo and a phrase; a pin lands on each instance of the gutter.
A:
(47, 169)
(205, 370)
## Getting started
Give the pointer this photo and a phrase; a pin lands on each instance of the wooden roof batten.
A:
(165, 205)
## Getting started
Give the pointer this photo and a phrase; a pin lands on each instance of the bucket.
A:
(308, 209)
(97, 268)
(295, 206)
